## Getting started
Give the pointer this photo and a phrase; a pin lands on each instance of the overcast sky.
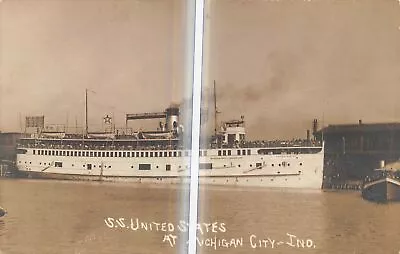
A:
(279, 63)
(283, 63)
(130, 53)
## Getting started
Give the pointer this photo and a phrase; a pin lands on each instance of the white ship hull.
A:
(290, 168)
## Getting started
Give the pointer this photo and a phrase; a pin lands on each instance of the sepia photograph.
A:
(298, 133)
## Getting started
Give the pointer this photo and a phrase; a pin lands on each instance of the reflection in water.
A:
(280, 221)
(68, 217)
(2, 227)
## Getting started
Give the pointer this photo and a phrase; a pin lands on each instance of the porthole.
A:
(301, 164)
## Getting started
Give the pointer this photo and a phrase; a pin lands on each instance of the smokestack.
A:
(359, 122)
(315, 126)
(308, 136)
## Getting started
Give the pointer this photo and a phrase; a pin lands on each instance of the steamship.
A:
(161, 156)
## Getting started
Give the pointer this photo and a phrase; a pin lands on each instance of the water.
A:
(69, 217)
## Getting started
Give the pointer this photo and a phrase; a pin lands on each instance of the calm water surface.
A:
(79, 217)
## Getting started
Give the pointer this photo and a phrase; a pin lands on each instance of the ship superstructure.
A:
(161, 156)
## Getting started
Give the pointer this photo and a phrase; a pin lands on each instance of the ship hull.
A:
(382, 190)
(291, 170)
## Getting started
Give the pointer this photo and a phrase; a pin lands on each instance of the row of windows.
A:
(110, 154)
(201, 165)
(133, 154)
(229, 152)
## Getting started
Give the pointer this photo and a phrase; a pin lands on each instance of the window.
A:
(120, 154)
(91, 154)
(160, 154)
(56, 153)
(238, 152)
(248, 152)
(174, 153)
(224, 153)
(155, 154)
(75, 153)
(229, 152)
(258, 165)
(58, 164)
(63, 153)
(124, 154)
(205, 166)
(52, 152)
(34, 152)
(168, 167)
(170, 154)
(165, 154)
(141, 154)
(205, 153)
(89, 166)
(151, 154)
(107, 154)
(219, 152)
(144, 166)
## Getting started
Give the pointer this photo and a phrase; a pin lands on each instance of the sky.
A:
(279, 63)
(128, 53)
(283, 63)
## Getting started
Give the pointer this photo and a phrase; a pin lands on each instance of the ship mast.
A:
(215, 110)
(86, 114)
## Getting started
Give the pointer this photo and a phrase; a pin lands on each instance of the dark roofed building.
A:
(353, 150)
(8, 145)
